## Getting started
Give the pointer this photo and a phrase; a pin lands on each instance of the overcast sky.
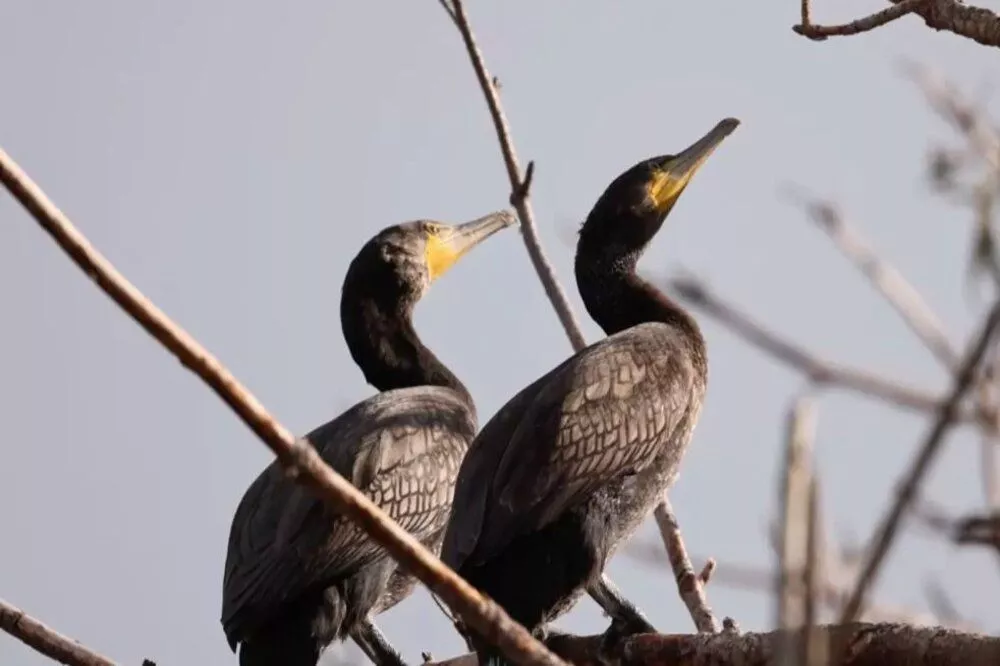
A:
(230, 157)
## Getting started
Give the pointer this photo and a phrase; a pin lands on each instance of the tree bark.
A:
(856, 644)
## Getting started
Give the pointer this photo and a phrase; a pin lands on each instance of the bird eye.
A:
(432, 229)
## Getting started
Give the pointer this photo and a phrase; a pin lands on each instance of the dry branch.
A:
(820, 372)
(298, 457)
(975, 23)
(848, 645)
(887, 529)
(519, 187)
(820, 32)
(690, 586)
(832, 592)
(46, 640)
(695, 599)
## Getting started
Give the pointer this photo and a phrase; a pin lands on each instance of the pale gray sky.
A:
(231, 156)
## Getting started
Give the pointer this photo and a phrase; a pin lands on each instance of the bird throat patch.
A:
(440, 256)
(665, 187)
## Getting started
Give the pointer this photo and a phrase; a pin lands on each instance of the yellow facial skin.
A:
(440, 255)
(446, 244)
(667, 183)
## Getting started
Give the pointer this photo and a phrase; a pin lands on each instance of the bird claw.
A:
(611, 639)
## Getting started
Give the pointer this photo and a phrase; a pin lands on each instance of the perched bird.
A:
(298, 575)
(570, 466)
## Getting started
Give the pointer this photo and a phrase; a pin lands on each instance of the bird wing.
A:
(400, 448)
(605, 414)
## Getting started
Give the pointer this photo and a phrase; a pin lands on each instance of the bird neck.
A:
(386, 347)
(618, 299)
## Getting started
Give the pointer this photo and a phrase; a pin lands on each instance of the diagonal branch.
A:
(821, 372)
(46, 640)
(690, 586)
(519, 186)
(299, 458)
(887, 280)
(907, 493)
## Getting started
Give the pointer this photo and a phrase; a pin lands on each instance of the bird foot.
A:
(608, 650)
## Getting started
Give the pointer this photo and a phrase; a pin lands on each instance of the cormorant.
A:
(571, 465)
(298, 575)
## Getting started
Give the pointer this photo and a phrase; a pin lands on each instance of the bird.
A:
(298, 575)
(571, 465)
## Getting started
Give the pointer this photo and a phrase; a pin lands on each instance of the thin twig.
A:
(831, 593)
(690, 586)
(878, 19)
(888, 528)
(46, 640)
(299, 458)
(519, 185)
(820, 372)
(886, 279)
(963, 115)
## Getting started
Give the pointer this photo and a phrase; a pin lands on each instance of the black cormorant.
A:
(572, 464)
(298, 576)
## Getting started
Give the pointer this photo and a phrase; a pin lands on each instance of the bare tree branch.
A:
(519, 186)
(820, 32)
(47, 640)
(691, 587)
(855, 644)
(886, 532)
(831, 593)
(975, 23)
(299, 458)
(696, 293)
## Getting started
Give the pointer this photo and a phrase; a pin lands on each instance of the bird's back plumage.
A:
(287, 548)
(570, 466)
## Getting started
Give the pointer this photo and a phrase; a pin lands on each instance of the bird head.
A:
(633, 207)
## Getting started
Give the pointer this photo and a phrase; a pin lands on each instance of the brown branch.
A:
(46, 640)
(819, 371)
(888, 528)
(518, 186)
(690, 586)
(975, 23)
(299, 458)
(856, 644)
(820, 32)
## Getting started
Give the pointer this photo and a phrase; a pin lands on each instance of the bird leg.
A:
(375, 645)
(630, 619)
